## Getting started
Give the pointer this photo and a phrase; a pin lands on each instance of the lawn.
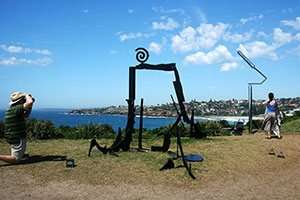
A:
(225, 157)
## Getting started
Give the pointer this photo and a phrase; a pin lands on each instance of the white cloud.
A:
(219, 55)
(281, 38)
(12, 49)
(124, 37)
(162, 10)
(297, 36)
(295, 24)
(261, 34)
(245, 20)
(228, 67)
(9, 61)
(39, 51)
(205, 36)
(155, 47)
(237, 38)
(13, 61)
(258, 49)
(169, 25)
(200, 15)
(296, 51)
(131, 11)
(210, 34)
(113, 52)
(185, 41)
(289, 10)
(15, 49)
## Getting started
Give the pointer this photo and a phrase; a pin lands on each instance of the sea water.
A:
(60, 117)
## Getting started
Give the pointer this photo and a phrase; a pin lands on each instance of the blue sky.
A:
(76, 54)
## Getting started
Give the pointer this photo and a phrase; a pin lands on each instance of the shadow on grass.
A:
(38, 159)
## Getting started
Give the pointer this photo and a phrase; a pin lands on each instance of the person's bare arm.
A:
(28, 105)
(264, 103)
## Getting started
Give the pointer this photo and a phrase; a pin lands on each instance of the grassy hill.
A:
(291, 127)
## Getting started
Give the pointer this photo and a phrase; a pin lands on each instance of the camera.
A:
(33, 99)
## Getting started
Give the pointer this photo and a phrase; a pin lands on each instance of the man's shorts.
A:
(18, 150)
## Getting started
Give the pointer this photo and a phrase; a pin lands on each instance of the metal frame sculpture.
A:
(250, 87)
(124, 144)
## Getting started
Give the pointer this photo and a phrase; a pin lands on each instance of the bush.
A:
(65, 131)
(208, 128)
(291, 118)
(256, 124)
(225, 124)
(45, 129)
(212, 128)
(41, 129)
(88, 131)
(291, 126)
(183, 130)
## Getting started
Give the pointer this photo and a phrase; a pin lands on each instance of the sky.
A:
(77, 54)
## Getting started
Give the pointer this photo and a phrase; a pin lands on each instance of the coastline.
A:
(121, 115)
(210, 117)
(232, 117)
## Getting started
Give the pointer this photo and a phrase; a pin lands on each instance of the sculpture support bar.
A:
(250, 87)
(132, 83)
(141, 123)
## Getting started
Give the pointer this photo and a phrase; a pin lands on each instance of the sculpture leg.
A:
(95, 143)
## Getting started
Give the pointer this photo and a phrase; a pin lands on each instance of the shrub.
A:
(183, 130)
(211, 128)
(45, 129)
(225, 124)
(208, 128)
(88, 131)
(41, 129)
(256, 124)
(291, 126)
(65, 131)
(105, 131)
(291, 118)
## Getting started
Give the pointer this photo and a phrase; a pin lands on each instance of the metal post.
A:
(250, 87)
(250, 107)
(132, 83)
(141, 124)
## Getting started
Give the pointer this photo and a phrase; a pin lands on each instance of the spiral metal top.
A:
(142, 55)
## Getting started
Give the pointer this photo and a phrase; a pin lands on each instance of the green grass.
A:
(291, 126)
(226, 157)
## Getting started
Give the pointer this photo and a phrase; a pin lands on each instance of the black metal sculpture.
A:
(170, 163)
(142, 56)
(124, 143)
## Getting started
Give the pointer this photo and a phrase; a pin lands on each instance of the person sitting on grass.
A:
(15, 126)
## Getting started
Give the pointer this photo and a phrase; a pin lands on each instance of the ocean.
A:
(60, 117)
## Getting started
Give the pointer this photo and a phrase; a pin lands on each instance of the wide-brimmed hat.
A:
(16, 97)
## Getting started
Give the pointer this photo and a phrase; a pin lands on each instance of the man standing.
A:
(15, 126)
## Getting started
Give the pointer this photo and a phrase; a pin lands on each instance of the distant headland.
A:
(224, 108)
